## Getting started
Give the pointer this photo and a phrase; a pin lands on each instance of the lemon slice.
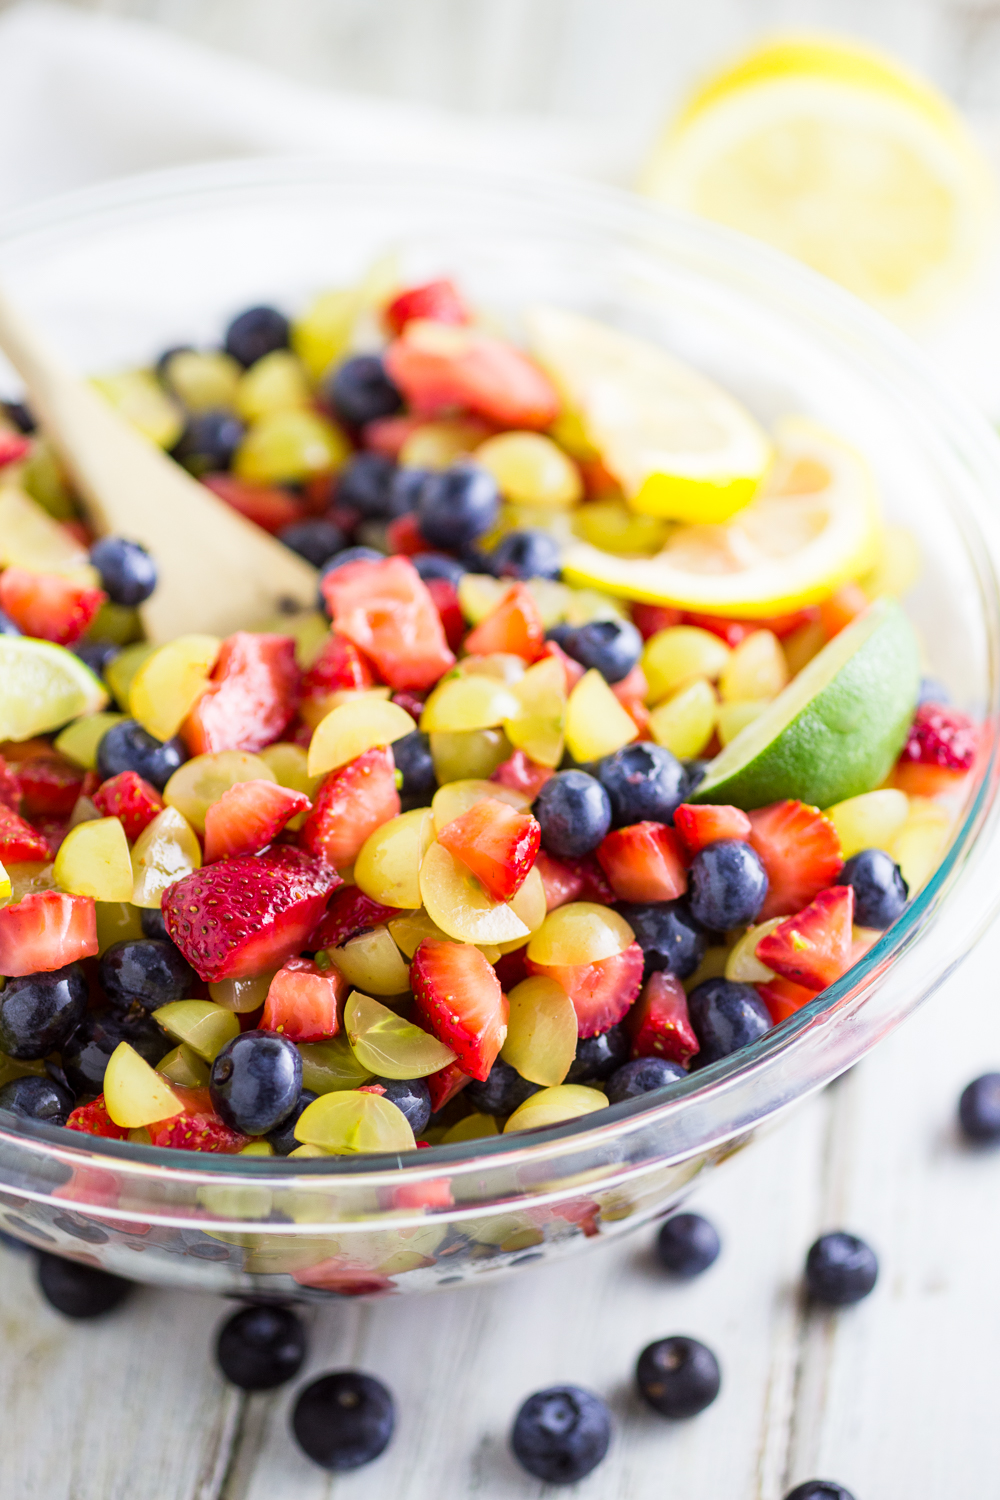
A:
(840, 157)
(42, 687)
(815, 524)
(678, 444)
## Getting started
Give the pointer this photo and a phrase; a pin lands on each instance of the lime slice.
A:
(43, 687)
(836, 729)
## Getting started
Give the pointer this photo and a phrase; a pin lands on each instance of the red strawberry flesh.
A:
(251, 698)
(304, 1001)
(659, 1024)
(457, 996)
(643, 862)
(941, 736)
(601, 992)
(248, 816)
(700, 826)
(497, 843)
(128, 797)
(44, 931)
(352, 802)
(800, 851)
(814, 947)
(385, 608)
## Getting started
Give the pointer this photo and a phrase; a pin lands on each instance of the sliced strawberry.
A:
(339, 667)
(46, 930)
(251, 698)
(50, 785)
(197, 1127)
(813, 948)
(733, 632)
(457, 996)
(248, 817)
(596, 886)
(699, 826)
(841, 608)
(561, 883)
(440, 368)
(522, 774)
(351, 803)
(19, 842)
(10, 790)
(659, 1024)
(14, 446)
(412, 702)
(243, 916)
(445, 1084)
(386, 609)
(514, 627)
(445, 597)
(650, 619)
(266, 505)
(404, 537)
(304, 1002)
(572, 669)
(438, 301)
(48, 606)
(388, 434)
(942, 737)
(800, 851)
(631, 693)
(926, 781)
(783, 998)
(601, 992)
(497, 843)
(93, 1119)
(128, 797)
(644, 862)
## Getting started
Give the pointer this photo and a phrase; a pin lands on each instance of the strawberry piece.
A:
(522, 774)
(128, 797)
(497, 843)
(734, 632)
(388, 434)
(699, 826)
(650, 619)
(19, 842)
(813, 948)
(405, 538)
(248, 816)
(242, 916)
(10, 790)
(53, 831)
(841, 608)
(339, 667)
(596, 886)
(800, 851)
(13, 447)
(344, 1277)
(514, 627)
(631, 693)
(352, 802)
(197, 1127)
(439, 301)
(386, 609)
(572, 669)
(783, 998)
(643, 862)
(413, 703)
(46, 930)
(304, 1002)
(659, 1024)
(49, 784)
(267, 506)
(925, 781)
(93, 1119)
(48, 606)
(601, 992)
(561, 883)
(457, 996)
(942, 737)
(251, 698)
(445, 1084)
(439, 368)
(445, 597)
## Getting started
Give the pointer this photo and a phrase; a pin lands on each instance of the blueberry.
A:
(128, 747)
(727, 885)
(79, 1291)
(85, 1054)
(344, 1419)
(150, 970)
(687, 1244)
(932, 691)
(819, 1489)
(678, 1376)
(39, 1011)
(37, 1099)
(840, 1269)
(641, 1076)
(282, 1138)
(526, 554)
(670, 938)
(880, 892)
(597, 1057)
(405, 490)
(256, 332)
(561, 1434)
(457, 504)
(412, 1097)
(644, 783)
(152, 923)
(502, 1092)
(612, 646)
(725, 1017)
(574, 813)
(259, 1348)
(256, 1081)
(97, 654)
(415, 764)
(695, 772)
(128, 573)
(317, 540)
(22, 416)
(979, 1109)
(364, 484)
(432, 565)
(209, 442)
(7, 626)
(360, 391)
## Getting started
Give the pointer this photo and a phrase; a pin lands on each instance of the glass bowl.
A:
(116, 275)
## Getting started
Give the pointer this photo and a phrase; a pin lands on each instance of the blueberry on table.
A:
(574, 813)
(457, 504)
(128, 573)
(360, 391)
(612, 646)
(561, 1434)
(979, 1109)
(79, 1291)
(502, 1092)
(317, 540)
(96, 654)
(670, 938)
(840, 1269)
(880, 892)
(434, 565)
(209, 442)
(597, 1057)
(86, 1054)
(282, 1138)
(526, 554)
(37, 1099)
(364, 484)
(259, 1348)
(153, 971)
(126, 746)
(678, 1376)
(641, 1076)
(256, 332)
(344, 1419)
(819, 1489)
(725, 1017)
(412, 1098)
(256, 1081)
(412, 754)
(644, 783)
(687, 1244)
(727, 885)
(39, 1011)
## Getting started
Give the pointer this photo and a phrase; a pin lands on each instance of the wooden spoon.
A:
(216, 571)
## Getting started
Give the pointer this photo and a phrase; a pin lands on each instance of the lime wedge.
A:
(836, 729)
(42, 687)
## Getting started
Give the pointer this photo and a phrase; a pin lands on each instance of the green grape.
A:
(352, 1121)
(328, 1067)
(541, 1031)
(468, 754)
(204, 1026)
(389, 1045)
(550, 1106)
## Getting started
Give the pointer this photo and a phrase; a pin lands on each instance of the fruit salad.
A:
(604, 751)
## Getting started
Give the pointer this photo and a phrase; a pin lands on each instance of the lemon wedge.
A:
(44, 687)
(678, 444)
(815, 524)
(839, 156)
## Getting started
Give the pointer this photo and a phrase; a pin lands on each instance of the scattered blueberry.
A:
(96, 654)
(39, 1011)
(7, 626)
(880, 892)
(612, 646)
(687, 1244)
(128, 747)
(932, 691)
(457, 504)
(79, 1291)
(282, 1137)
(668, 935)
(256, 332)
(86, 1053)
(678, 1376)
(412, 1097)
(256, 1081)
(149, 970)
(526, 554)
(644, 782)
(415, 764)
(24, 420)
(259, 1348)
(431, 565)
(641, 1076)
(597, 1057)
(344, 1420)
(502, 1092)
(725, 1017)
(979, 1109)
(819, 1489)
(37, 1099)
(405, 490)
(840, 1269)
(152, 923)
(317, 540)
(128, 573)
(574, 813)
(727, 885)
(360, 391)
(209, 441)
(364, 482)
(561, 1434)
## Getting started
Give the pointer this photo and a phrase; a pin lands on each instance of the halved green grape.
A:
(869, 821)
(119, 672)
(472, 1128)
(459, 904)
(530, 905)
(479, 594)
(756, 669)
(93, 860)
(596, 723)
(614, 527)
(354, 727)
(290, 764)
(468, 753)
(464, 703)
(580, 933)
(567, 1101)
(436, 445)
(373, 960)
(79, 740)
(169, 683)
(736, 715)
(676, 656)
(413, 928)
(202, 1025)
(456, 797)
(541, 1031)
(388, 864)
(685, 723)
(351, 1122)
(742, 965)
(499, 664)
(287, 447)
(117, 922)
(242, 995)
(257, 1148)
(202, 780)
(276, 382)
(165, 851)
(389, 1045)
(203, 379)
(184, 1067)
(538, 728)
(530, 469)
(329, 1067)
(134, 1093)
